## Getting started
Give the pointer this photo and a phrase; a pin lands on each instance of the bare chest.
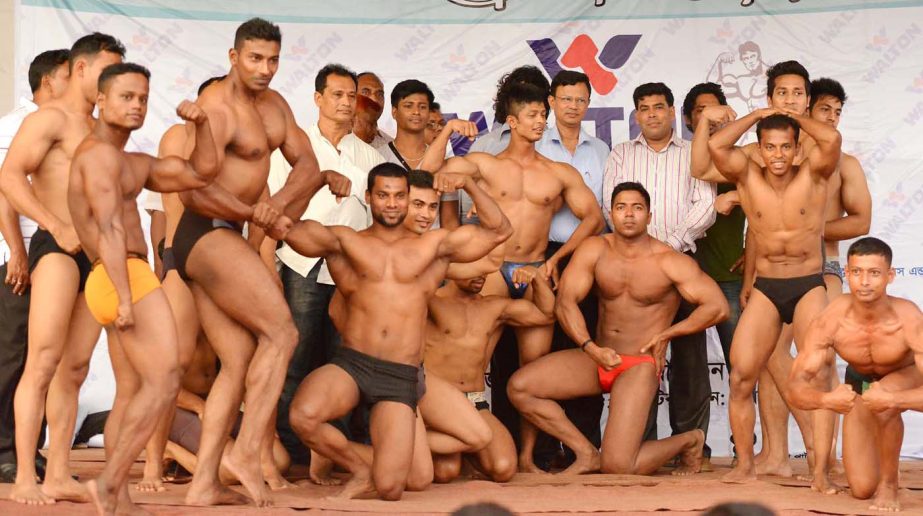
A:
(259, 130)
(639, 281)
(537, 185)
(874, 346)
(799, 205)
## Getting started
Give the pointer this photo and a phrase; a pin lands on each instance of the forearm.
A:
(726, 138)
(571, 320)
(589, 226)
(827, 137)
(805, 396)
(114, 257)
(435, 153)
(188, 401)
(215, 202)
(489, 212)
(543, 296)
(9, 227)
(448, 214)
(21, 196)
(910, 399)
(700, 160)
(850, 226)
(698, 220)
(703, 317)
(302, 183)
(204, 158)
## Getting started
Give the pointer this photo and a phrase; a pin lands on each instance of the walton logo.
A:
(585, 55)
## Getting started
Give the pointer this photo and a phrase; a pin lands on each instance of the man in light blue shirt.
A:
(567, 142)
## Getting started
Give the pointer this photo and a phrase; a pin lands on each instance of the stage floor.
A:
(525, 494)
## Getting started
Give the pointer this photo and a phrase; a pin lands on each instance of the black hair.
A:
(434, 106)
(779, 122)
(114, 70)
(386, 169)
(739, 509)
(786, 68)
(482, 509)
(826, 86)
(45, 64)
(631, 186)
(420, 179)
(409, 87)
(570, 78)
(320, 80)
(652, 88)
(257, 28)
(519, 94)
(703, 88)
(524, 74)
(93, 44)
(209, 82)
(870, 245)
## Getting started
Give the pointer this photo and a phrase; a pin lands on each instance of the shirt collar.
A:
(555, 135)
(675, 139)
(314, 130)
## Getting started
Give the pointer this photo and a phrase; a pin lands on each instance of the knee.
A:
(390, 488)
(503, 469)
(518, 390)
(741, 384)
(421, 478)
(617, 464)
(305, 419)
(283, 335)
(481, 436)
(445, 471)
(862, 490)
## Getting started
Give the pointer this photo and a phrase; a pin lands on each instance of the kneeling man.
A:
(640, 282)
(881, 338)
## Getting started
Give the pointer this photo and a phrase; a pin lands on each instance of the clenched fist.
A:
(190, 112)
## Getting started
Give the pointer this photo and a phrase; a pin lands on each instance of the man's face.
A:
(570, 103)
(372, 88)
(57, 80)
(433, 126)
(411, 113)
(530, 122)
(471, 285)
(827, 109)
(701, 102)
(630, 214)
(868, 277)
(256, 61)
(751, 60)
(364, 126)
(422, 209)
(124, 104)
(789, 94)
(655, 117)
(338, 100)
(90, 67)
(778, 148)
(388, 200)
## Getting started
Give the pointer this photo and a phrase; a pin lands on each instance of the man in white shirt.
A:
(306, 282)
(48, 76)
(682, 208)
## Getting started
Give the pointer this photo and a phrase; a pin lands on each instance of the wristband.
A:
(583, 346)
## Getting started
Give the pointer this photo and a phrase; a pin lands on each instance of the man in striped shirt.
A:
(682, 208)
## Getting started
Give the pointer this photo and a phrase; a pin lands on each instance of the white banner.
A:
(462, 47)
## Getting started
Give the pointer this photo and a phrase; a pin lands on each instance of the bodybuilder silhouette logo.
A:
(585, 55)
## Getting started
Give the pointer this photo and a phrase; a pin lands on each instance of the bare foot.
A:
(69, 490)
(150, 485)
(213, 494)
(251, 477)
(526, 465)
(276, 481)
(319, 472)
(29, 494)
(691, 458)
(740, 475)
(761, 457)
(781, 468)
(805, 477)
(584, 464)
(126, 507)
(104, 501)
(359, 486)
(886, 499)
(823, 485)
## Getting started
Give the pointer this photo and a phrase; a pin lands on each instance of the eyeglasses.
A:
(580, 101)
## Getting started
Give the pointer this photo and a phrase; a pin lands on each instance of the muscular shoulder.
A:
(850, 168)
(906, 308)
(565, 171)
(591, 248)
(672, 260)
(48, 119)
(833, 313)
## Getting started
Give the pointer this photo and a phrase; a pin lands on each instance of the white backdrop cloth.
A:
(462, 47)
